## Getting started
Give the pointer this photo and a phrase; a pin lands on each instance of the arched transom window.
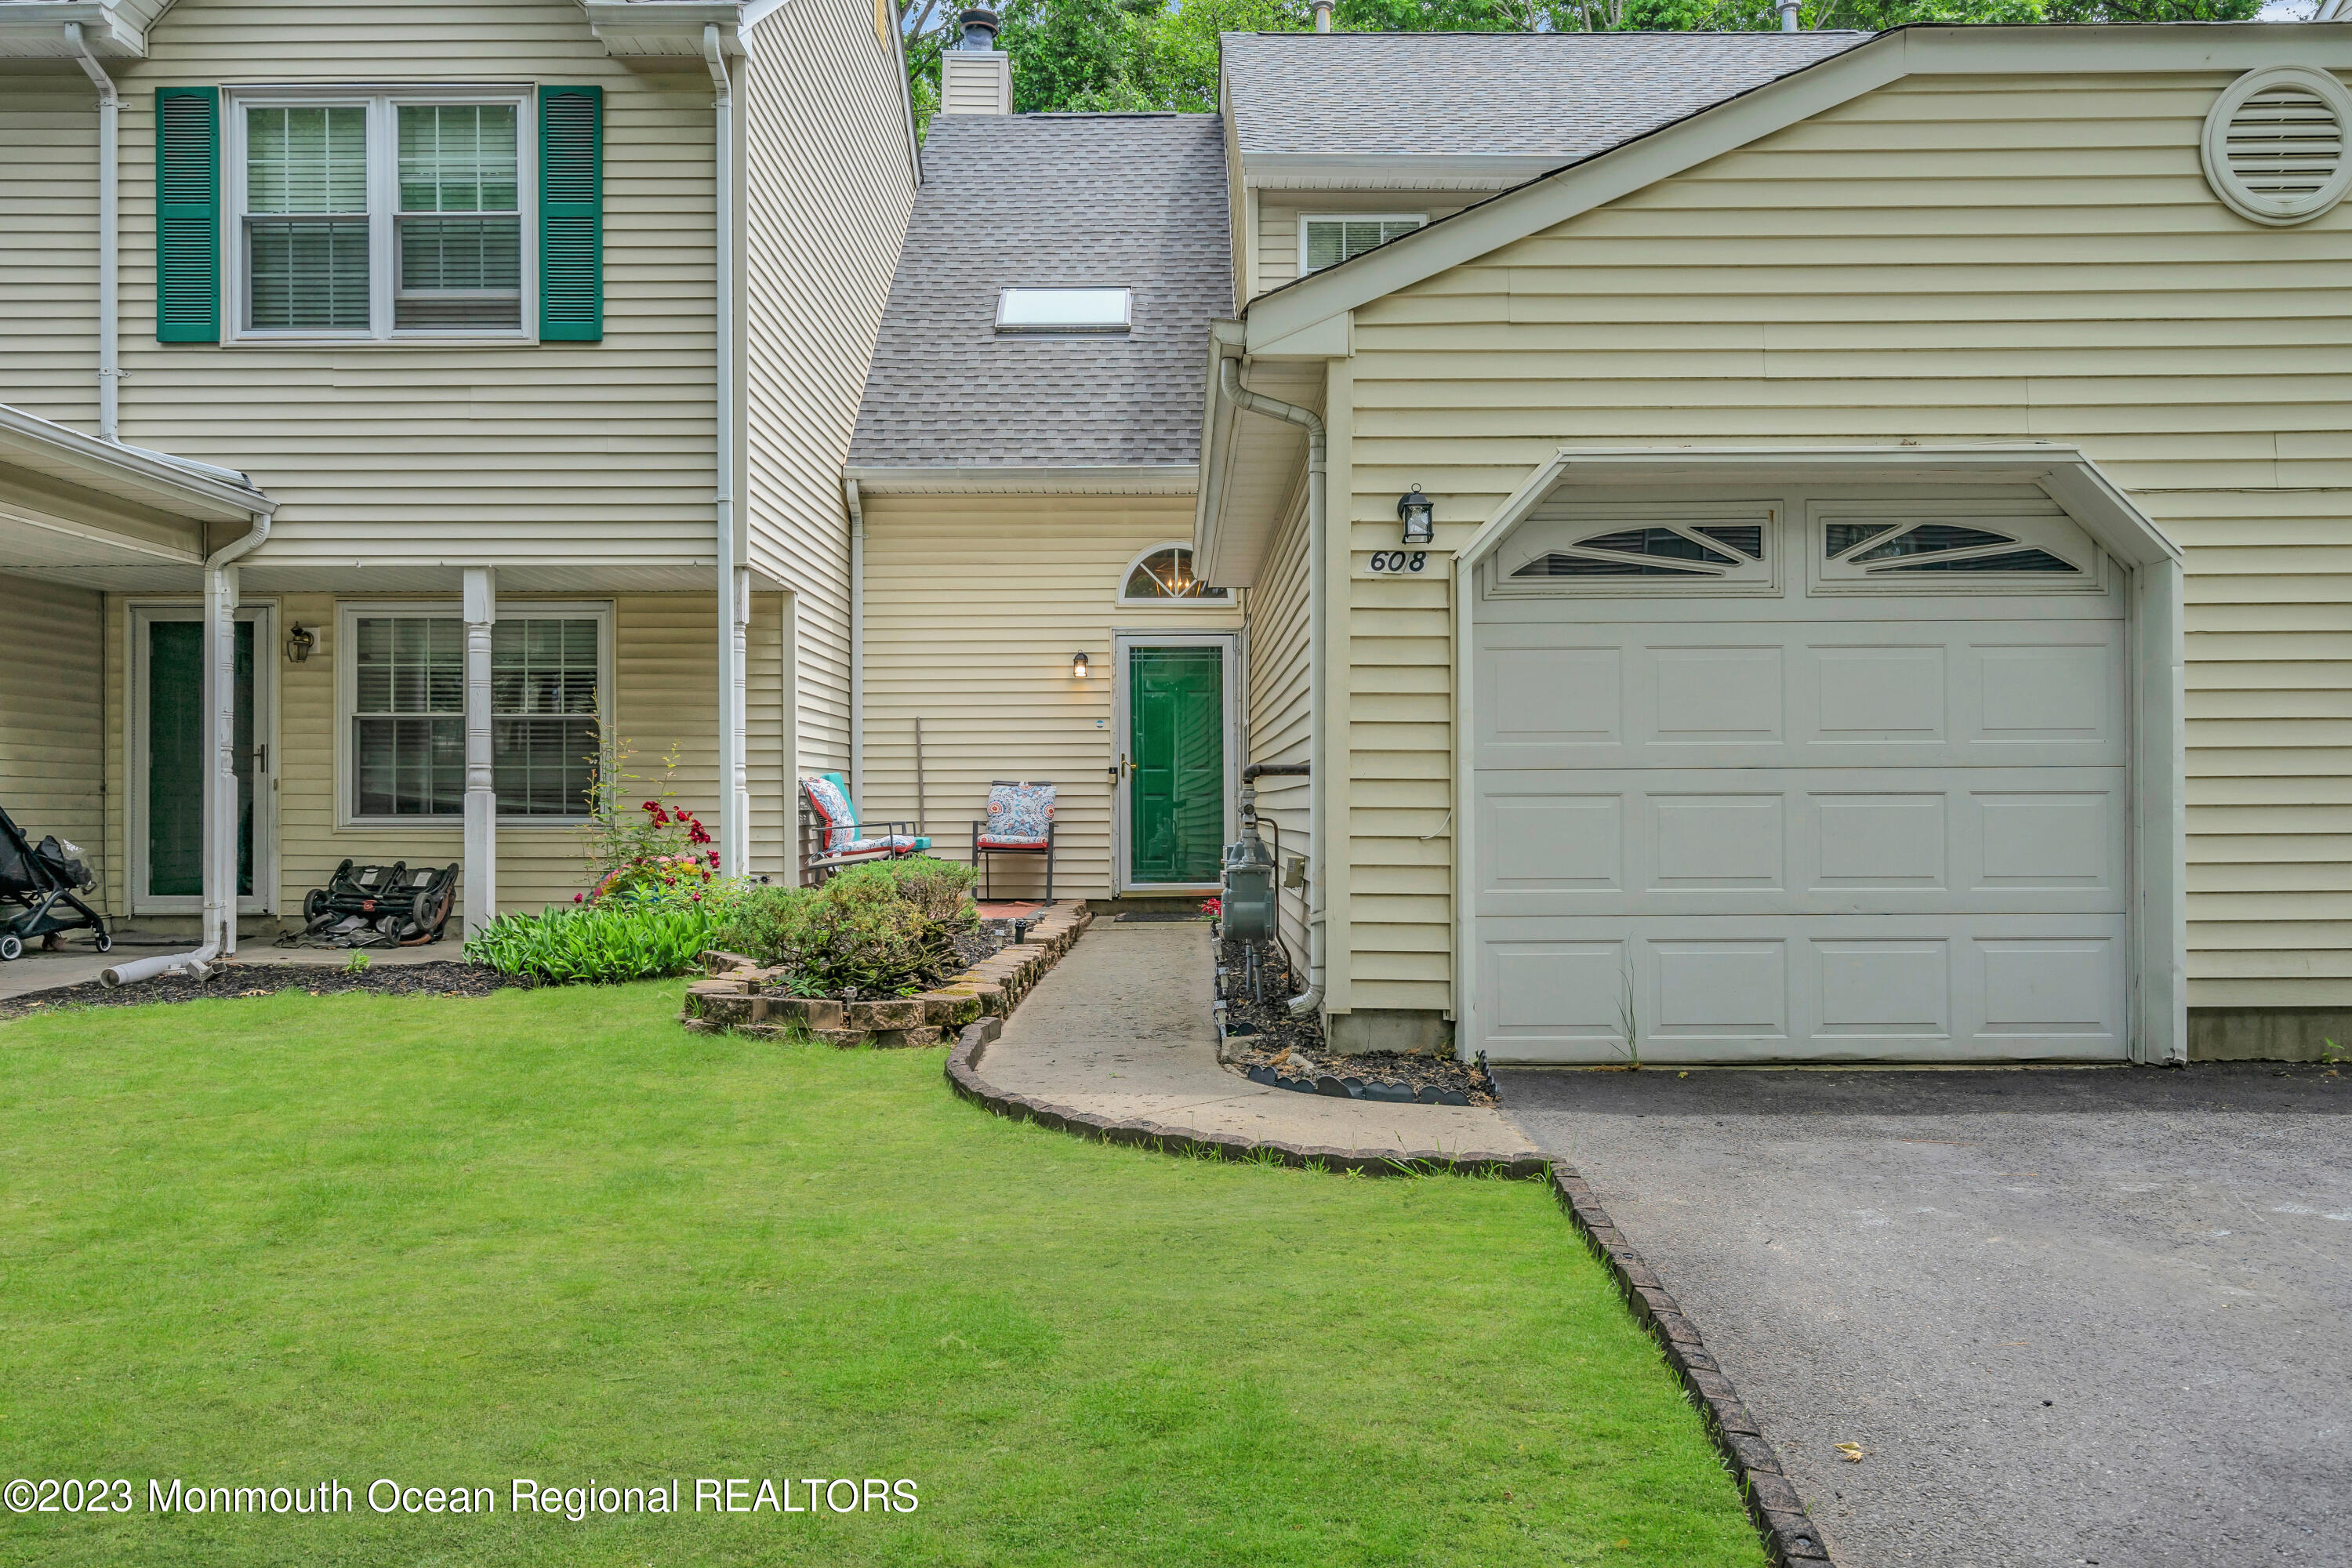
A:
(1162, 574)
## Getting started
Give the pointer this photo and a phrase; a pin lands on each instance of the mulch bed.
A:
(1266, 1044)
(444, 979)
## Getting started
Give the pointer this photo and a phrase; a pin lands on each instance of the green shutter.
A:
(187, 215)
(572, 213)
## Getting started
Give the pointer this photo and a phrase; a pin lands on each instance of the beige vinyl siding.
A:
(48, 242)
(973, 607)
(1279, 215)
(831, 180)
(665, 679)
(1279, 711)
(1943, 260)
(566, 456)
(52, 713)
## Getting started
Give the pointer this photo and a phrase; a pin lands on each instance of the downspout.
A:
(109, 226)
(734, 584)
(857, 639)
(1310, 1002)
(218, 938)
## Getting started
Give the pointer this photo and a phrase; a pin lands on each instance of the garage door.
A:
(1800, 779)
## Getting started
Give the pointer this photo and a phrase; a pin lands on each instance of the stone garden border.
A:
(1778, 1513)
(732, 996)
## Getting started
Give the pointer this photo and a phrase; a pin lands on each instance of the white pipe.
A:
(1229, 378)
(218, 938)
(734, 572)
(1789, 15)
(109, 226)
(481, 875)
(857, 639)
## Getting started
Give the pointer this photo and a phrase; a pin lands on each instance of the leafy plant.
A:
(628, 936)
(645, 844)
(356, 964)
(1630, 1020)
(941, 888)
(858, 936)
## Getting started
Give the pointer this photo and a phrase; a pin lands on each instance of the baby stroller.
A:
(379, 906)
(38, 889)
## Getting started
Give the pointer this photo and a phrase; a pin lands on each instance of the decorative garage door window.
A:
(2001, 547)
(1638, 549)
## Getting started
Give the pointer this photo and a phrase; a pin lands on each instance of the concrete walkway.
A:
(2070, 1316)
(1123, 1028)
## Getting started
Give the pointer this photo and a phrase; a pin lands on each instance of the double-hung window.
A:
(1326, 239)
(403, 697)
(383, 216)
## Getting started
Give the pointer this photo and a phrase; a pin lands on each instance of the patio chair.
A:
(1020, 822)
(843, 838)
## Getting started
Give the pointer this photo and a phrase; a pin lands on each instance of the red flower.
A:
(653, 808)
(576, 897)
(695, 834)
(714, 859)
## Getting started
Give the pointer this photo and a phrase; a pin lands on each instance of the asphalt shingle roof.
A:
(1048, 199)
(1567, 95)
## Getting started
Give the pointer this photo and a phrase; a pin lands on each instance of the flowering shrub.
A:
(652, 846)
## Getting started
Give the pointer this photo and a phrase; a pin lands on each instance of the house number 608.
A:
(1399, 560)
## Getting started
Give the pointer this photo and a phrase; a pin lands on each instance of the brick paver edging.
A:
(963, 1075)
(1779, 1513)
(1792, 1538)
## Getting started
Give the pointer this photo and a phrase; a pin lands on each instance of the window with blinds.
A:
(396, 214)
(459, 227)
(306, 223)
(1326, 241)
(407, 713)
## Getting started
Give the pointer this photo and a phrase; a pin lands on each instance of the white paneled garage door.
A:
(1801, 778)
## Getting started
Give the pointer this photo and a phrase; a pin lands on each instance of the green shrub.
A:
(941, 888)
(618, 938)
(857, 936)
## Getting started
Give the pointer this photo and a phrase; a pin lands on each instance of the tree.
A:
(1160, 55)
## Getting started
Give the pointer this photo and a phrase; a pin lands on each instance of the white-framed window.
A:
(1163, 576)
(1058, 310)
(1642, 547)
(1326, 239)
(1962, 545)
(376, 215)
(400, 676)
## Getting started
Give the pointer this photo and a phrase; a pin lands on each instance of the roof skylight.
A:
(1064, 310)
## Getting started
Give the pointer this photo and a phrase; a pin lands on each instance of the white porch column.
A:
(220, 815)
(481, 787)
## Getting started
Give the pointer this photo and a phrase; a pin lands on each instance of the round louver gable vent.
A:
(2275, 144)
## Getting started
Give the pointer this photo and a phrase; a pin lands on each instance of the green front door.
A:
(176, 759)
(1176, 741)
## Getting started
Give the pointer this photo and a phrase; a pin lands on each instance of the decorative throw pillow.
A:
(1017, 815)
(828, 796)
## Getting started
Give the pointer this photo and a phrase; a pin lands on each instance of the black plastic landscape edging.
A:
(1779, 1513)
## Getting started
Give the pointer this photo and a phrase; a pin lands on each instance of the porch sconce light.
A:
(1420, 515)
(1078, 666)
(300, 642)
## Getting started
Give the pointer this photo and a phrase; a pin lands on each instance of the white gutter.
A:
(734, 584)
(856, 637)
(109, 221)
(1310, 1003)
(218, 938)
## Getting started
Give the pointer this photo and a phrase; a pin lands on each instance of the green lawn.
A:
(550, 1235)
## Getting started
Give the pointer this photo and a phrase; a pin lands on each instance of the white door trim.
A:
(2157, 956)
(263, 900)
(1121, 644)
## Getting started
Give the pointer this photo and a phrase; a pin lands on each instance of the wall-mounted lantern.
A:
(1420, 515)
(1078, 670)
(300, 642)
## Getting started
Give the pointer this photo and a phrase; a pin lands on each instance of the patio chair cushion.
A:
(828, 796)
(890, 844)
(1018, 815)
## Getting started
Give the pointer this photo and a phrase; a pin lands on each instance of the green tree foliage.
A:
(1137, 56)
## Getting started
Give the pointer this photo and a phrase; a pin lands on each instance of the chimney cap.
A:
(979, 24)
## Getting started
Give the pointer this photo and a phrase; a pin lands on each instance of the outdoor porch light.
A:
(1078, 666)
(1420, 514)
(300, 642)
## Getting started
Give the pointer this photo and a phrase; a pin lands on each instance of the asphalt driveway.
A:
(2070, 1315)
